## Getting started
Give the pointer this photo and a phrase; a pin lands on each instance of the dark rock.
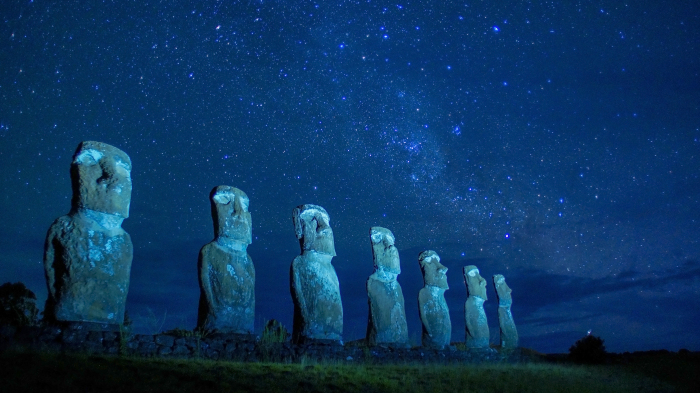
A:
(144, 338)
(95, 337)
(217, 345)
(165, 340)
(181, 351)
(164, 351)
(110, 336)
(147, 348)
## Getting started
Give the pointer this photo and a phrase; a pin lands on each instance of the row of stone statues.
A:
(87, 262)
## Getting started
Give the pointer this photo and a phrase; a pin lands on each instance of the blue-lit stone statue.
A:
(226, 271)
(318, 311)
(87, 255)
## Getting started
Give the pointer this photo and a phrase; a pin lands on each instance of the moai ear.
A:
(242, 203)
(298, 225)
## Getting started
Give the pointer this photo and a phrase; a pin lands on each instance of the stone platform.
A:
(244, 348)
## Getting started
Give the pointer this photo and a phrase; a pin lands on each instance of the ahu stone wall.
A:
(238, 347)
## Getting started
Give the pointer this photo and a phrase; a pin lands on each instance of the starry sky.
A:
(556, 143)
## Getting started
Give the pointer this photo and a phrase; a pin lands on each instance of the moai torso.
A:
(509, 334)
(226, 272)
(477, 328)
(387, 316)
(434, 314)
(314, 286)
(87, 255)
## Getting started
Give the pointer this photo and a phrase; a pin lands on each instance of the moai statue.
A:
(318, 311)
(87, 255)
(477, 328)
(387, 317)
(226, 272)
(509, 335)
(434, 314)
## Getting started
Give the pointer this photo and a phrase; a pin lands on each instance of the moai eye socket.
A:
(88, 157)
(314, 224)
(223, 199)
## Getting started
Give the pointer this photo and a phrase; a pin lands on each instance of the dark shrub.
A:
(17, 305)
(589, 350)
(274, 332)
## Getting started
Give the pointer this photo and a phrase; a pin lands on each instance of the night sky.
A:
(556, 143)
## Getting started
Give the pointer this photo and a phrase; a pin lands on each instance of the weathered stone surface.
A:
(477, 328)
(165, 340)
(434, 314)
(387, 316)
(509, 334)
(318, 311)
(87, 255)
(226, 271)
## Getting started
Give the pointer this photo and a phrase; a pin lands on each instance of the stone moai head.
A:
(434, 273)
(386, 256)
(229, 210)
(101, 179)
(476, 285)
(503, 291)
(313, 229)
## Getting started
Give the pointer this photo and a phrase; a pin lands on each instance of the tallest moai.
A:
(87, 255)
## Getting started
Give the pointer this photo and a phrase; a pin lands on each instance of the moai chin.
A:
(87, 255)
(387, 316)
(434, 314)
(318, 311)
(509, 334)
(226, 271)
(477, 328)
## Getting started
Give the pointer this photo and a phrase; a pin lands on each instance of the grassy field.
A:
(30, 372)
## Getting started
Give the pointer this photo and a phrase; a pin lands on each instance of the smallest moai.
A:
(509, 335)
(386, 323)
(434, 314)
(477, 328)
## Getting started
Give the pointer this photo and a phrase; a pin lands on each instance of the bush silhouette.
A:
(17, 305)
(589, 350)
(274, 332)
